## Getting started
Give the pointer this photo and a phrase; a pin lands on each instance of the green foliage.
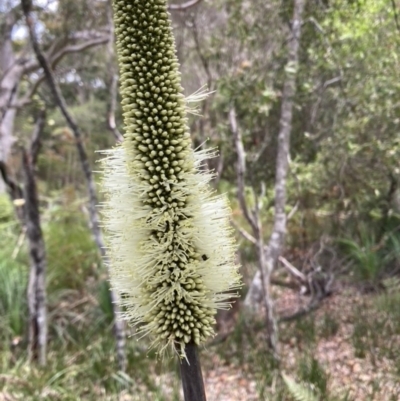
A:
(367, 262)
(310, 371)
(104, 301)
(346, 145)
(371, 259)
(371, 330)
(86, 371)
(71, 253)
(247, 350)
(344, 173)
(6, 210)
(13, 308)
(393, 250)
(305, 330)
(329, 327)
(360, 336)
(300, 392)
(13, 287)
(387, 302)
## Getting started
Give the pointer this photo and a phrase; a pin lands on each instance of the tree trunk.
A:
(37, 283)
(276, 242)
(91, 187)
(10, 75)
(253, 218)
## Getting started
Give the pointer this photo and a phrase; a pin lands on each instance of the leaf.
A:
(300, 392)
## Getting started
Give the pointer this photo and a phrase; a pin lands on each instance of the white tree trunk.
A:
(37, 301)
(59, 100)
(10, 75)
(276, 242)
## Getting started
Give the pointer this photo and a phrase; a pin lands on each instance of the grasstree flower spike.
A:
(170, 244)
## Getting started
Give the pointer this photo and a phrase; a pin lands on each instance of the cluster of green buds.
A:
(170, 243)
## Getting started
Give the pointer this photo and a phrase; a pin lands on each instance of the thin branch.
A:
(8, 103)
(240, 167)
(256, 225)
(265, 143)
(183, 6)
(28, 97)
(30, 65)
(285, 284)
(293, 271)
(200, 53)
(219, 169)
(396, 17)
(53, 60)
(335, 58)
(19, 244)
(312, 306)
(293, 211)
(244, 233)
(13, 189)
(36, 142)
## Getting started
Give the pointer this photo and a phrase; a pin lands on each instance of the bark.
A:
(7, 138)
(10, 73)
(276, 242)
(240, 168)
(37, 284)
(14, 191)
(29, 217)
(253, 218)
(93, 201)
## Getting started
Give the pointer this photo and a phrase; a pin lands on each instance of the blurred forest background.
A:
(305, 97)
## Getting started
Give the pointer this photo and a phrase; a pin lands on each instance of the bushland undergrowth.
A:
(81, 359)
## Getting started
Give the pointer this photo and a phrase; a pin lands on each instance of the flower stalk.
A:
(171, 246)
(192, 378)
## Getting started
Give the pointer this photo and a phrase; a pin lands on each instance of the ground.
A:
(348, 349)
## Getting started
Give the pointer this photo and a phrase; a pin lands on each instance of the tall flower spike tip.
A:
(170, 244)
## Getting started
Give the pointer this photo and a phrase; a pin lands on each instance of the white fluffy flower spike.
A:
(170, 243)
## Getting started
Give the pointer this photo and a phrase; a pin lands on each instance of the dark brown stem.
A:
(37, 273)
(192, 378)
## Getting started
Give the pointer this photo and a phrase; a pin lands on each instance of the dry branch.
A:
(293, 270)
(247, 236)
(53, 59)
(183, 6)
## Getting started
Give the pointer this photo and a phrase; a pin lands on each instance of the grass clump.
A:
(13, 276)
(71, 252)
